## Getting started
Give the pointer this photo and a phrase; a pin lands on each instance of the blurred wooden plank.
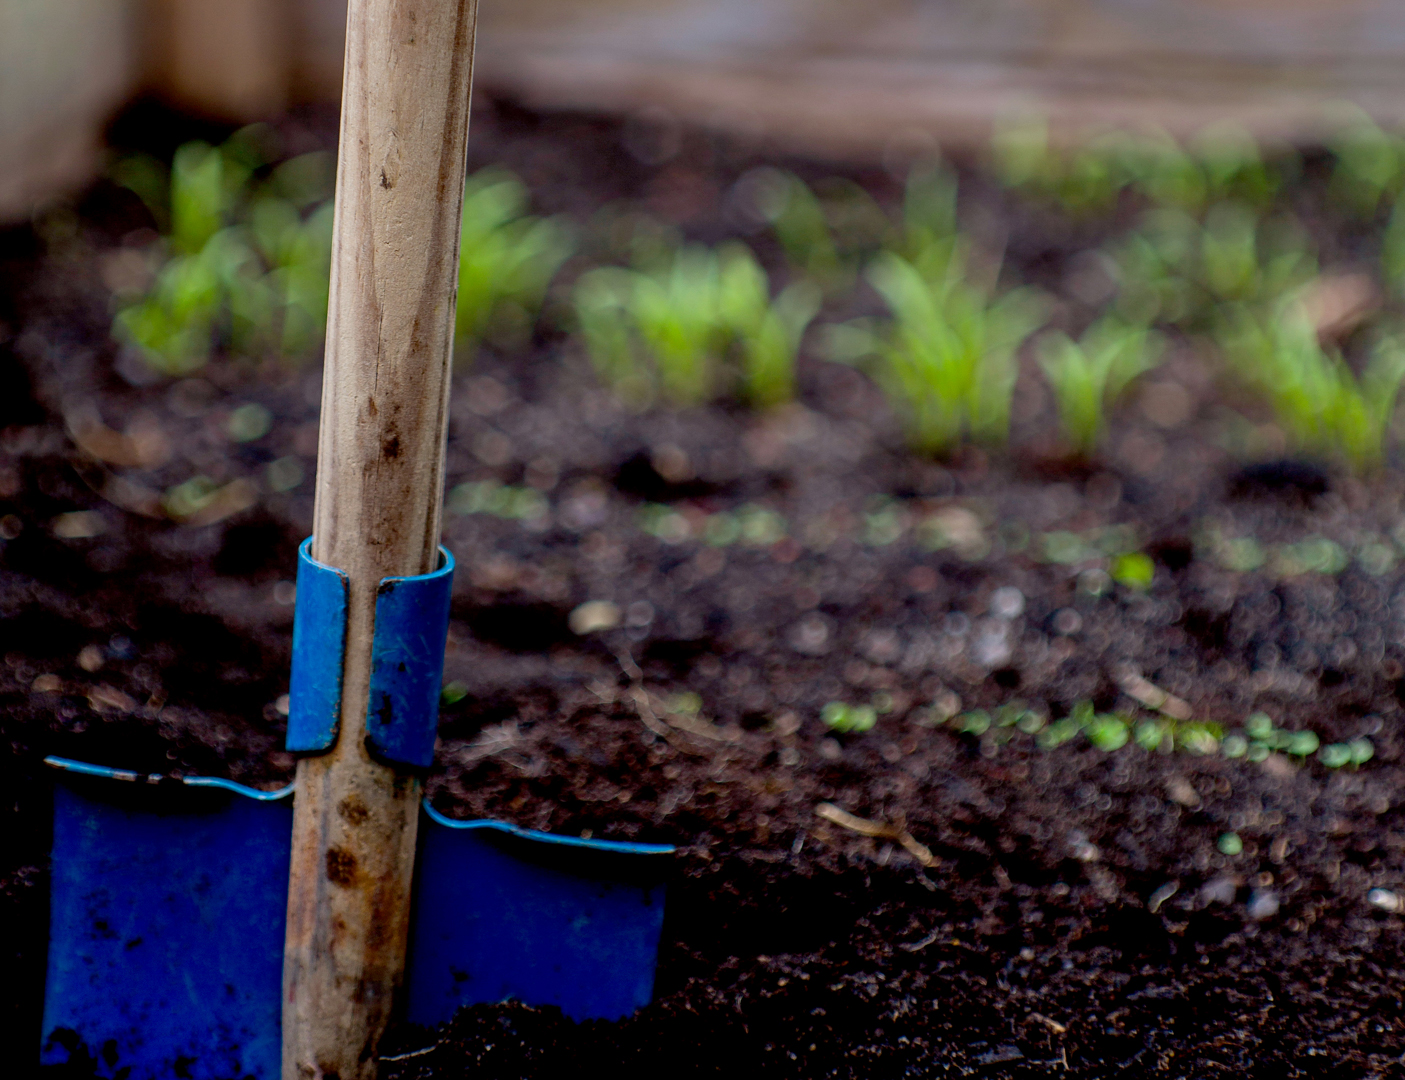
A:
(823, 76)
(226, 59)
(65, 67)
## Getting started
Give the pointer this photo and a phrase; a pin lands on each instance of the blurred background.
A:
(821, 77)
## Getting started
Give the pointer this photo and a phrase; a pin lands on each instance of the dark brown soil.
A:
(1079, 919)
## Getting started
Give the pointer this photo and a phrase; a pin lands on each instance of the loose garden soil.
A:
(1077, 916)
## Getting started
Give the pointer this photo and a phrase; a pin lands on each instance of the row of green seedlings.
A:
(1221, 163)
(247, 267)
(1374, 554)
(1114, 549)
(242, 264)
(947, 357)
(1111, 731)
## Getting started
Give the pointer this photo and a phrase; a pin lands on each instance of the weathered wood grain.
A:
(380, 471)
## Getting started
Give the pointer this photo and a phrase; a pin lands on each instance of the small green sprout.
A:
(848, 719)
(1176, 269)
(1338, 755)
(946, 361)
(1083, 180)
(769, 332)
(1091, 374)
(1152, 734)
(1311, 555)
(452, 693)
(1393, 251)
(1087, 178)
(242, 266)
(1230, 844)
(507, 259)
(1108, 732)
(800, 224)
(1234, 746)
(248, 422)
(1370, 166)
(1262, 737)
(1133, 569)
(1325, 408)
(665, 330)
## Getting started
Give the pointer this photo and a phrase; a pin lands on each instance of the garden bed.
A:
(1074, 869)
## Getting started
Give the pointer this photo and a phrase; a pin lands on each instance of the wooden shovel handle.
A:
(399, 197)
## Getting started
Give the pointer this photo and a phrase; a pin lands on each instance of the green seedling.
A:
(1393, 251)
(1070, 548)
(1325, 409)
(1091, 374)
(1133, 569)
(1174, 269)
(946, 360)
(667, 330)
(1370, 167)
(1261, 738)
(1088, 177)
(768, 332)
(826, 232)
(673, 315)
(242, 267)
(247, 259)
(800, 224)
(1083, 180)
(1230, 844)
(1108, 732)
(1222, 162)
(249, 422)
(1339, 755)
(507, 259)
(848, 719)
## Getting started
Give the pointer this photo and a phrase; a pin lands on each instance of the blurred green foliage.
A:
(1369, 170)
(1176, 269)
(244, 254)
(507, 259)
(1089, 177)
(1323, 406)
(669, 329)
(245, 250)
(1089, 375)
(848, 719)
(947, 358)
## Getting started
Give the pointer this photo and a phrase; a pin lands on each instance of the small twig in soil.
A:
(1161, 895)
(918, 946)
(1052, 1025)
(1135, 686)
(645, 708)
(411, 1053)
(881, 829)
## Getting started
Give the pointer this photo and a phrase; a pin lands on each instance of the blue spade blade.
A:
(168, 909)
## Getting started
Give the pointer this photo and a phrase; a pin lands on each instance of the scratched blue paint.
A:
(319, 646)
(407, 665)
(167, 914)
